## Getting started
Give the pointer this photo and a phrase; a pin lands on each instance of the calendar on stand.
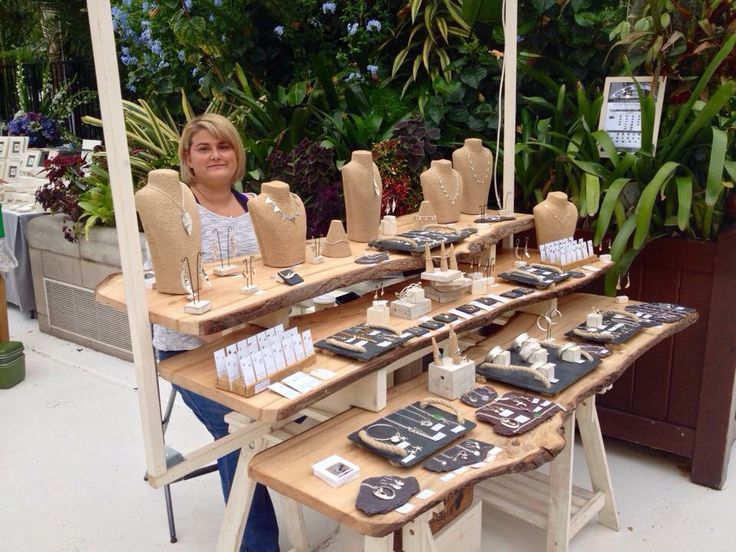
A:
(621, 113)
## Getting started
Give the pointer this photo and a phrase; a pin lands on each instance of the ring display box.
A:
(335, 470)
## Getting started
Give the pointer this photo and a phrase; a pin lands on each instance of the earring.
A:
(628, 281)
(516, 251)
(618, 283)
(526, 248)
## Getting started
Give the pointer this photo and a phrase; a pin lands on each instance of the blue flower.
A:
(328, 7)
(162, 64)
(210, 18)
(145, 6)
(188, 5)
(130, 87)
(372, 70)
(354, 76)
(279, 30)
(126, 3)
(156, 48)
(180, 55)
(195, 71)
(373, 24)
(352, 28)
(217, 3)
(201, 81)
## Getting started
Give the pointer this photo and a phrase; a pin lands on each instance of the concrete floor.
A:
(71, 467)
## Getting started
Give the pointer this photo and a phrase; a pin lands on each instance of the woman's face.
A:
(212, 161)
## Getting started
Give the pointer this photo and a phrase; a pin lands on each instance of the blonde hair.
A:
(221, 128)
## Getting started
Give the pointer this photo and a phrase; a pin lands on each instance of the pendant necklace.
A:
(291, 217)
(452, 199)
(552, 211)
(384, 492)
(186, 218)
(376, 189)
(479, 181)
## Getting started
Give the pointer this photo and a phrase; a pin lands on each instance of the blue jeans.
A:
(261, 529)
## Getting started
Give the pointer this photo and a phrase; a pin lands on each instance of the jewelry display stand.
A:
(515, 413)
(259, 385)
(555, 218)
(537, 275)
(443, 187)
(617, 327)
(361, 184)
(414, 241)
(466, 453)
(280, 223)
(411, 434)
(474, 163)
(336, 242)
(450, 375)
(171, 224)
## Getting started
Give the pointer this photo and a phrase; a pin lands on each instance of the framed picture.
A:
(12, 168)
(18, 145)
(32, 159)
(4, 141)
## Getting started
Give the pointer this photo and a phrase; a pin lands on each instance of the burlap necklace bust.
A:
(170, 220)
(443, 187)
(474, 163)
(555, 218)
(280, 223)
(362, 188)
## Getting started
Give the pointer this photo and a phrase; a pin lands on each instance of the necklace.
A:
(411, 429)
(376, 189)
(558, 219)
(422, 421)
(291, 217)
(186, 218)
(452, 199)
(394, 438)
(384, 492)
(479, 181)
(434, 418)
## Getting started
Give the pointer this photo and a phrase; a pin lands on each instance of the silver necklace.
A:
(291, 217)
(384, 492)
(452, 199)
(376, 190)
(411, 429)
(422, 421)
(186, 218)
(395, 438)
(479, 181)
(561, 221)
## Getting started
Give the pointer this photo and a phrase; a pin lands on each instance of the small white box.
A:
(441, 276)
(410, 310)
(226, 270)
(335, 470)
(479, 286)
(547, 370)
(594, 320)
(622, 298)
(450, 380)
(572, 354)
(415, 295)
(539, 355)
(378, 313)
(197, 307)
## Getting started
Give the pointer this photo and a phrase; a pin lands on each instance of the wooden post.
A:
(118, 161)
(509, 103)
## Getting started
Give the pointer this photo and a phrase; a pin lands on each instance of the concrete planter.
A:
(64, 278)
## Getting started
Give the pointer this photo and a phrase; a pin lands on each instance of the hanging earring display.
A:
(191, 282)
(315, 251)
(517, 253)
(225, 250)
(249, 271)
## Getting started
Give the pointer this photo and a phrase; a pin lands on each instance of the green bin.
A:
(12, 364)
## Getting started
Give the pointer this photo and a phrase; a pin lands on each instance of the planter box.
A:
(679, 396)
(64, 278)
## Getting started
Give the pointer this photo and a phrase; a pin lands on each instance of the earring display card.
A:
(596, 351)
(616, 328)
(380, 495)
(363, 342)
(516, 293)
(516, 413)
(666, 313)
(419, 432)
(487, 301)
(431, 325)
(566, 373)
(480, 396)
(535, 275)
(467, 453)
(414, 241)
(417, 331)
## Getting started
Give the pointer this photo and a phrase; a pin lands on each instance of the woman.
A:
(212, 160)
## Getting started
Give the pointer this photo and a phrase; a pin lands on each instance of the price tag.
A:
(289, 352)
(246, 369)
(307, 340)
(283, 390)
(259, 366)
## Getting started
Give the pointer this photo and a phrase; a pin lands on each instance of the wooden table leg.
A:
(378, 544)
(595, 457)
(238, 505)
(292, 519)
(560, 493)
(417, 535)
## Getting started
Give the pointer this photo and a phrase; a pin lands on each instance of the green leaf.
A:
(610, 200)
(472, 76)
(715, 166)
(603, 139)
(684, 200)
(592, 193)
(645, 206)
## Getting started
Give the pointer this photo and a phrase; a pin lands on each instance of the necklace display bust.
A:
(362, 188)
(280, 223)
(474, 163)
(555, 218)
(170, 220)
(443, 187)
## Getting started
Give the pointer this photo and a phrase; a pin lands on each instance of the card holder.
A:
(445, 317)
(431, 325)
(288, 276)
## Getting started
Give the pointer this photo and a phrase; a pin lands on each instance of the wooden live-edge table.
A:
(232, 308)
(195, 370)
(287, 468)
